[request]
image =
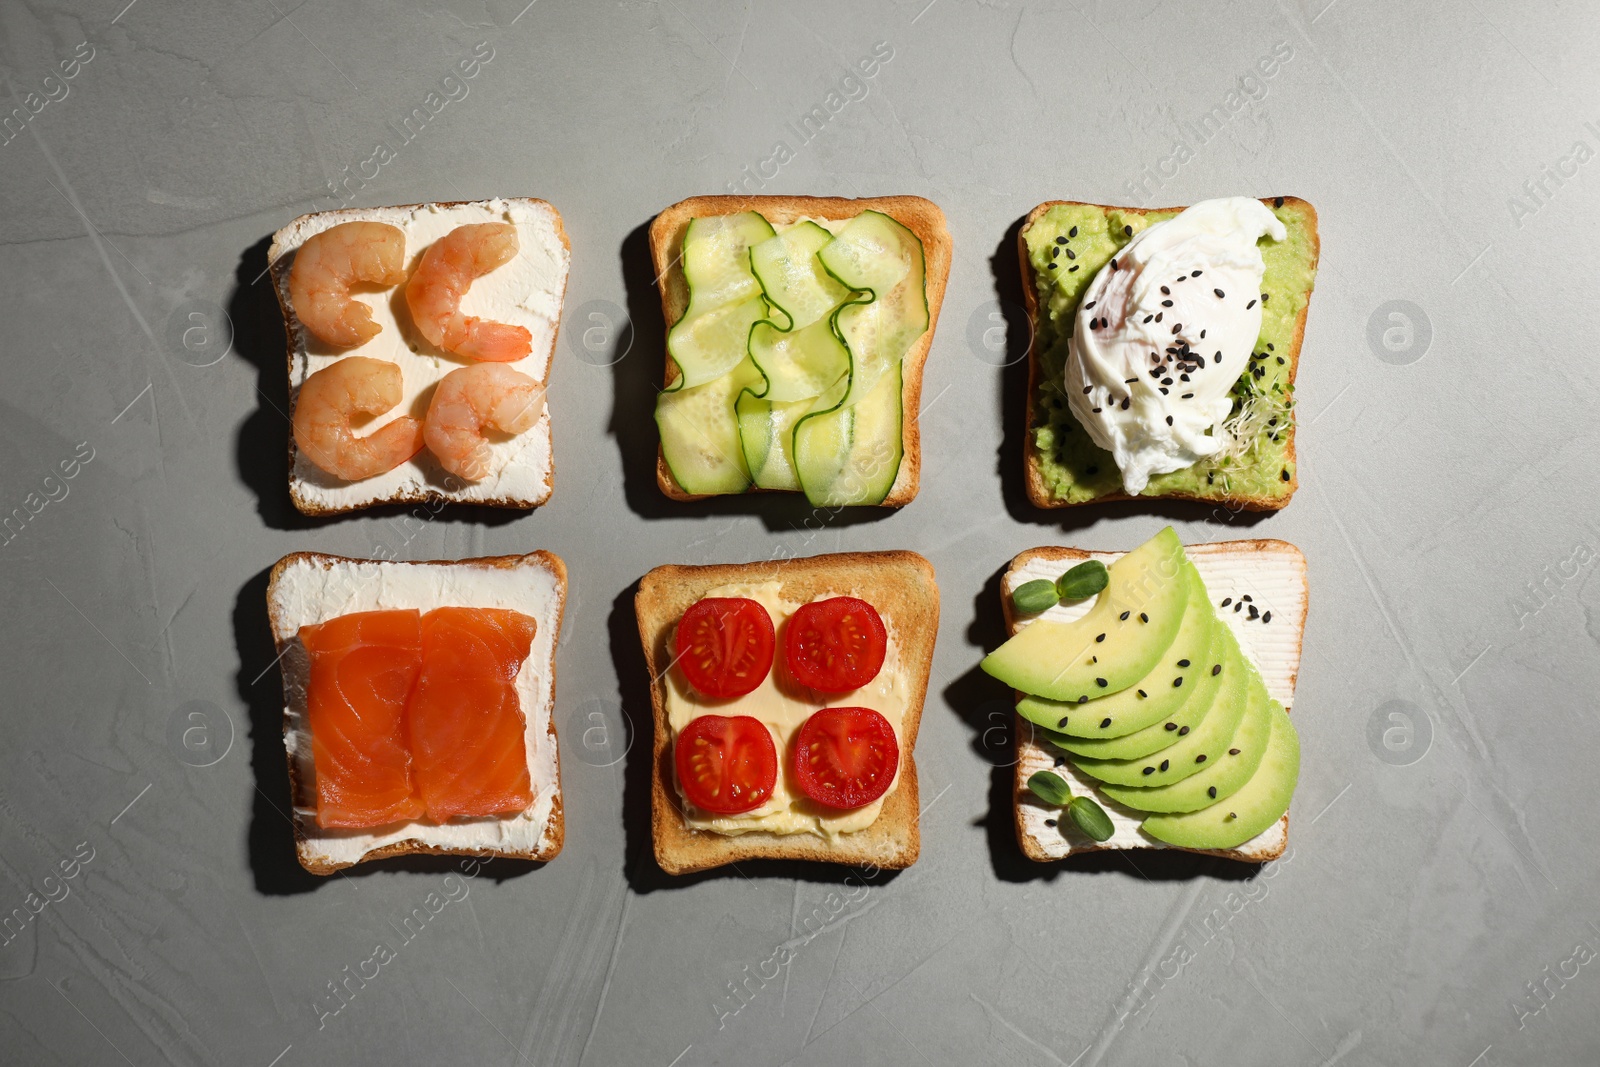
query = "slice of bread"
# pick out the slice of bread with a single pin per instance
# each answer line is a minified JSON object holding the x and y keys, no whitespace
{"x":901,"y":586}
{"x":309,"y":587}
{"x":1298,"y":213}
{"x":921,"y":217}
{"x":1273,"y":574}
{"x":526,"y":292}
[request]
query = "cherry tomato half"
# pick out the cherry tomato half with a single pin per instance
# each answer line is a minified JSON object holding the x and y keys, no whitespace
{"x":725,"y":646}
{"x":835,"y":645}
{"x":726,"y":765}
{"x":845,"y":757}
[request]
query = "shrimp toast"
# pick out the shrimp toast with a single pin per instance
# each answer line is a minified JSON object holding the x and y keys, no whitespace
{"x":307,"y":589}
{"x":525,"y":294}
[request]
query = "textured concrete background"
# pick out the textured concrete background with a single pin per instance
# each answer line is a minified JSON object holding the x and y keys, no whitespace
{"x":1436,"y":905}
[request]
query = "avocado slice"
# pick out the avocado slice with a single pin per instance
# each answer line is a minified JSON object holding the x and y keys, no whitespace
{"x":1153,"y":698}
{"x":1116,"y":644}
{"x":1223,"y":776}
{"x":1227,"y":659}
{"x":1191,"y":752}
{"x":1256,"y":806}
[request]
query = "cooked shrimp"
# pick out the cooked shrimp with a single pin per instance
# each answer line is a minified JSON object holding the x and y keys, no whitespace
{"x":472,"y":398}
{"x":329,"y":263}
{"x":353,"y":385}
{"x":447,"y":270}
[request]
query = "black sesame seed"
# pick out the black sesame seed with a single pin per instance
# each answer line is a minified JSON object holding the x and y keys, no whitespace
{"x":1269,"y":347}
{"x":1212,"y":792}
{"x":1062,"y":723}
{"x":1225,"y":602}
{"x":1216,"y":669}
{"x":1200,"y":758}
{"x":1061,"y":761}
{"x":1172,"y":726}
{"x":1169,"y":420}
{"x":1049,"y":822}
{"x":1233,"y":815}
{"x":1233,"y":752}
{"x":1165,"y":764}
{"x":1104,"y":723}
{"x":1088,"y":389}
{"x":1159,"y":314}
{"x":1183,"y":732}
{"x":1074,"y":231}
{"x":1166,"y":303}
{"x":1194,"y":274}
{"x":1163,"y":390}
{"x":1148,"y":770}
{"x":1072,"y":268}
{"x":1071,"y":254}
{"x":1219,"y":293}
{"x":1217,"y":358}
{"x":1083,"y":700}
{"x":1143,"y":617}
{"x":1176,"y":327}
{"x":1096,"y":410}
{"x":1177,"y":682}
{"x":1250,"y":305}
{"x":1238,"y":608}
{"x":1102,"y":637}
{"x":1129,"y":381}
{"x":1054,"y":252}
{"x":1165,"y":291}
{"x":1284,"y":474}
{"x":1141,"y":692}
{"x":1101,"y":682}
{"x":1166,"y":381}
{"x":1247,"y":598}
{"x":1183,"y":663}
{"x":1277,"y":201}
{"x":1061,"y":240}
{"x":1147,"y":318}
{"x":1052,"y":266}
{"x":1128,"y":230}
{"x":1125,"y":403}
{"x":1187,"y":396}
{"x":1124,"y":616}
{"x":1253,"y":612}
{"x":1280,"y":361}
{"x":1202,"y":335}
{"x":1266,"y":616}
{"x":1264,"y":297}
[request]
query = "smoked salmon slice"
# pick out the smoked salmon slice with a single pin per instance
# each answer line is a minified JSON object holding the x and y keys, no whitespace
{"x":467,"y":730}
{"x":363,"y":669}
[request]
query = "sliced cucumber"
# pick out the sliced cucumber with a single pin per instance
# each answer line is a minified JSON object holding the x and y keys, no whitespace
{"x":700,"y":433}
{"x":766,"y":430}
{"x":851,"y":455}
{"x":876,"y":254}
{"x":724,"y":297}
{"x":787,"y":268}
{"x":800,"y":365}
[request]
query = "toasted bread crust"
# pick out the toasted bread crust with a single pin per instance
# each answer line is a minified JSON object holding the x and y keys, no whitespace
{"x":555,"y":833}
{"x":922,"y":217}
{"x":901,"y":585}
{"x":1038,"y":492}
{"x":279,"y":270}
{"x":1029,"y":845}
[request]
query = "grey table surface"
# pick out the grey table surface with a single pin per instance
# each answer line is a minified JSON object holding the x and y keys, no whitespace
{"x":1435,"y":905}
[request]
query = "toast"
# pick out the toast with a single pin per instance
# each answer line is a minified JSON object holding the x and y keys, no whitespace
{"x":309,"y":587}
{"x":523,"y":470}
{"x":921,"y":217}
{"x":901,"y":586}
{"x":1274,"y":573}
{"x":1045,"y":408}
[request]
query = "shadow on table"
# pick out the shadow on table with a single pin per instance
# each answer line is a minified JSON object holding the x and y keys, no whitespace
{"x":637,"y":383}
{"x":1006,"y":268}
{"x":261,"y":448}
{"x":987,"y":706}
{"x":639,"y":864}
{"x":271,"y":835}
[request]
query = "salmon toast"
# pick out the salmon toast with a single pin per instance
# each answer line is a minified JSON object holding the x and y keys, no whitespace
{"x":469,"y":742}
{"x":466,"y":728}
{"x":363,"y":668}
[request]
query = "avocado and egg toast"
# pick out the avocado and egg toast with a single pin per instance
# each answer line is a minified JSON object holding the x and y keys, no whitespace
{"x":1165,"y":699}
{"x":1165,"y":348}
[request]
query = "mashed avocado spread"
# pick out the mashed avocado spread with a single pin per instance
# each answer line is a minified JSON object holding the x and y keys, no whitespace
{"x":1072,"y":466}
